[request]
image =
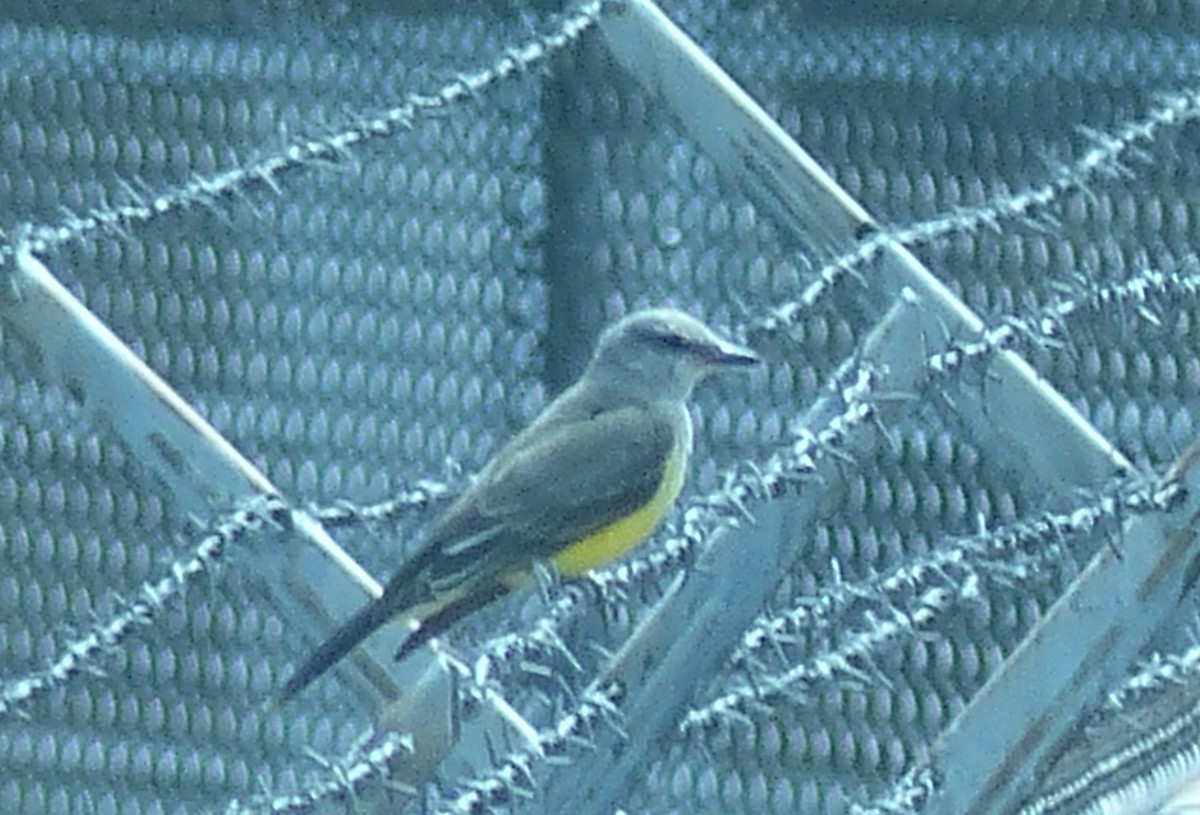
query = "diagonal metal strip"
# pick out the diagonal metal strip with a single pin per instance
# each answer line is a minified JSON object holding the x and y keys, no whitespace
{"x":202,"y":471}
{"x":1061,"y":453}
{"x":1074,"y":654}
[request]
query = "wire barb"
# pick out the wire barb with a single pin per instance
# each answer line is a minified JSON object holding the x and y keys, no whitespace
{"x":81,"y":654}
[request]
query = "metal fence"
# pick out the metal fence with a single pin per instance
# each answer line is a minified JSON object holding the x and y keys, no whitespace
{"x":279,"y":277}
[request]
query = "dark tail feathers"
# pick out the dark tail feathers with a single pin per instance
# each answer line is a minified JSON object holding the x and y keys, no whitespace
{"x":354,"y":631}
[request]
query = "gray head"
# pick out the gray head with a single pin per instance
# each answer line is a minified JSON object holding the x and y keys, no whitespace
{"x":663,"y":353}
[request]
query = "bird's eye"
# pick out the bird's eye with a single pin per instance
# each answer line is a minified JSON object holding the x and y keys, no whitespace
{"x":674,"y":341}
{"x":663,"y":337}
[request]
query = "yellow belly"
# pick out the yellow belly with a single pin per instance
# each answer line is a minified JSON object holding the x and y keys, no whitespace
{"x":620,"y":536}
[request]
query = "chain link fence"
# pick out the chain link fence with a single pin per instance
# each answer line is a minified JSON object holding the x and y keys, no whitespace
{"x":362,"y":244}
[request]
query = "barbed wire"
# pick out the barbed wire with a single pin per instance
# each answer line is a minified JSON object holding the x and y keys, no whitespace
{"x":907,"y":796}
{"x":424,"y":494}
{"x":84,"y":653}
{"x":1048,"y":328}
{"x":306,"y":153}
{"x":513,"y":777}
{"x":1103,"y":160}
{"x":1009,"y":556}
{"x":346,"y":781}
{"x":1157,"y":673}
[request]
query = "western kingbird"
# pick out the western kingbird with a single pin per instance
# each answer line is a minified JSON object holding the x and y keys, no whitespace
{"x":587,"y":481}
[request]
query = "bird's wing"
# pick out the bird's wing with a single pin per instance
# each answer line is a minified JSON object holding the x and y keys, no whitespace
{"x":554,"y":484}
{"x":559,"y":484}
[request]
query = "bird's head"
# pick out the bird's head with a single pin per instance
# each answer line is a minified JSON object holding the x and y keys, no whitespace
{"x":665,"y":352}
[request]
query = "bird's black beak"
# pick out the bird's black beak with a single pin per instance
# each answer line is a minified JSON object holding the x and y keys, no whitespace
{"x":731,"y":355}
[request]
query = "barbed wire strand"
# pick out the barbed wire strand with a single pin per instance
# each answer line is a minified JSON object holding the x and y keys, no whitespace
{"x":1010,"y":555}
{"x":346,"y":781}
{"x":208,"y":190}
{"x":513,"y":777}
{"x":83,"y":653}
{"x":1103,"y":160}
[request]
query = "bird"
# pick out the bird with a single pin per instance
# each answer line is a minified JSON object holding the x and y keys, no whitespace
{"x":589,"y":479}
